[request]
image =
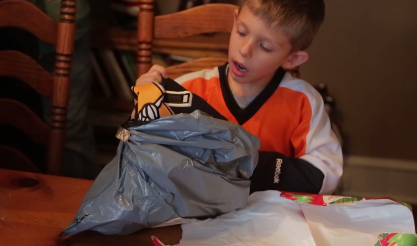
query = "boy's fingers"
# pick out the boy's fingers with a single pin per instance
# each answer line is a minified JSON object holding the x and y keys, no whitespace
{"x":152,"y":76}
{"x":144,"y":79}
{"x":160,"y":69}
{"x":149,"y":79}
{"x":132,"y":115}
{"x":155,"y":74}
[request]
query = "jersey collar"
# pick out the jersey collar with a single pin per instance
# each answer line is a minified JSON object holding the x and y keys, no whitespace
{"x":243,"y":115}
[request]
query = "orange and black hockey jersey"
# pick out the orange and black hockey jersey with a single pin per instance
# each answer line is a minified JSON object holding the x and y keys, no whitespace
{"x":299,"y":151}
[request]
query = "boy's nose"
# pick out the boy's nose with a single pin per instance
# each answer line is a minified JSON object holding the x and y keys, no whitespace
{"x":246,"y":49}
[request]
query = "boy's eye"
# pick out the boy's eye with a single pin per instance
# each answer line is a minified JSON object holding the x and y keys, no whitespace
{"x":241,"y":33}
{"x":264,"y":48}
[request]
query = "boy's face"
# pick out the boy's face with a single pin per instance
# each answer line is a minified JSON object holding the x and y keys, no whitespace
{"x":257,"y":50}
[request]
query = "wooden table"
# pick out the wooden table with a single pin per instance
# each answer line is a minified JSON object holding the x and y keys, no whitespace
{"x":35,"y":208}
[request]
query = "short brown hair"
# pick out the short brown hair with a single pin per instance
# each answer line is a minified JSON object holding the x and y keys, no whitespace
{"x":300,"y":19}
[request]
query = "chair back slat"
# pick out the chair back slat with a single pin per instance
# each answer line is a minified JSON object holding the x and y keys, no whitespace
{"x":18,"y":65}
{"x":195,"y":65}
{"x":25,"y":15}
{"x":15,"y":160}
{"x":20,"y":116}
{"x":210,"y":18}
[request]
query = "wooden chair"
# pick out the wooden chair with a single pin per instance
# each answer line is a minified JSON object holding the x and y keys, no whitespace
{"x":203,"y":19}
{"x":209,"y":18}
{"x":23,"y":14}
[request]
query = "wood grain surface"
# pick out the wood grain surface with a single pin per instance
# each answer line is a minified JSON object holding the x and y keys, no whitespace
{"x":35,"y":208}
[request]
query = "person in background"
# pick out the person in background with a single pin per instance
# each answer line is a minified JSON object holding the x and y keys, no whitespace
{"x":299,"y":152}
{"x":80,"y":159}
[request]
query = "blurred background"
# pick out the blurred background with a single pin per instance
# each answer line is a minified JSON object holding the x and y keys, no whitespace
{"x":363,"y":60}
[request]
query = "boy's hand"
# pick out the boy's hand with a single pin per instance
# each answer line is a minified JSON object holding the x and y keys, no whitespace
{"x":155,"y":74}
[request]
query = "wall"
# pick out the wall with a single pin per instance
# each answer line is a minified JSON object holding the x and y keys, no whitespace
{"x":379,"y":177}
{"x":366,"y":52}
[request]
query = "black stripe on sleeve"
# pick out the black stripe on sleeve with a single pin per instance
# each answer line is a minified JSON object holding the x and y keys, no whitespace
{"x":275,"y":171}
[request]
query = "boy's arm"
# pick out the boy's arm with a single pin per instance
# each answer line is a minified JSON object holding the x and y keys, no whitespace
{"x":318,"y":163}
{"x":275,"y":171}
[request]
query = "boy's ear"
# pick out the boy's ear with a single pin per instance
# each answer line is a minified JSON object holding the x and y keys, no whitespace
{"x":295,"y":59}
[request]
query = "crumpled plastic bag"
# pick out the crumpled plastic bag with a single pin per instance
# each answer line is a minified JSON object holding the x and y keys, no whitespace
{"x":180,"y":166}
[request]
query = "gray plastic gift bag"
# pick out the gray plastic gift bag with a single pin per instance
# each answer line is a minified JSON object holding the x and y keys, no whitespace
{"x":179,"y":166}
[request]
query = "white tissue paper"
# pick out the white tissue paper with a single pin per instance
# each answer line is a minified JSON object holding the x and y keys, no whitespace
{"x":280,"y":218}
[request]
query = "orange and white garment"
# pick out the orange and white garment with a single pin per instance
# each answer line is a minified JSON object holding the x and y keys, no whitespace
{"x":288,"y":116}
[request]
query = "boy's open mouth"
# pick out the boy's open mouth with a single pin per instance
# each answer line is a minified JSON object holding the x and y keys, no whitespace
{"x":240,"y":67}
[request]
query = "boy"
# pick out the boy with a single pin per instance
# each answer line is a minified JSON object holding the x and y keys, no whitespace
{"x":299,"y":152}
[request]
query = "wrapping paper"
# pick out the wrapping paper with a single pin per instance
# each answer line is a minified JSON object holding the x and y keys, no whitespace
{"x":281,"y":218}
